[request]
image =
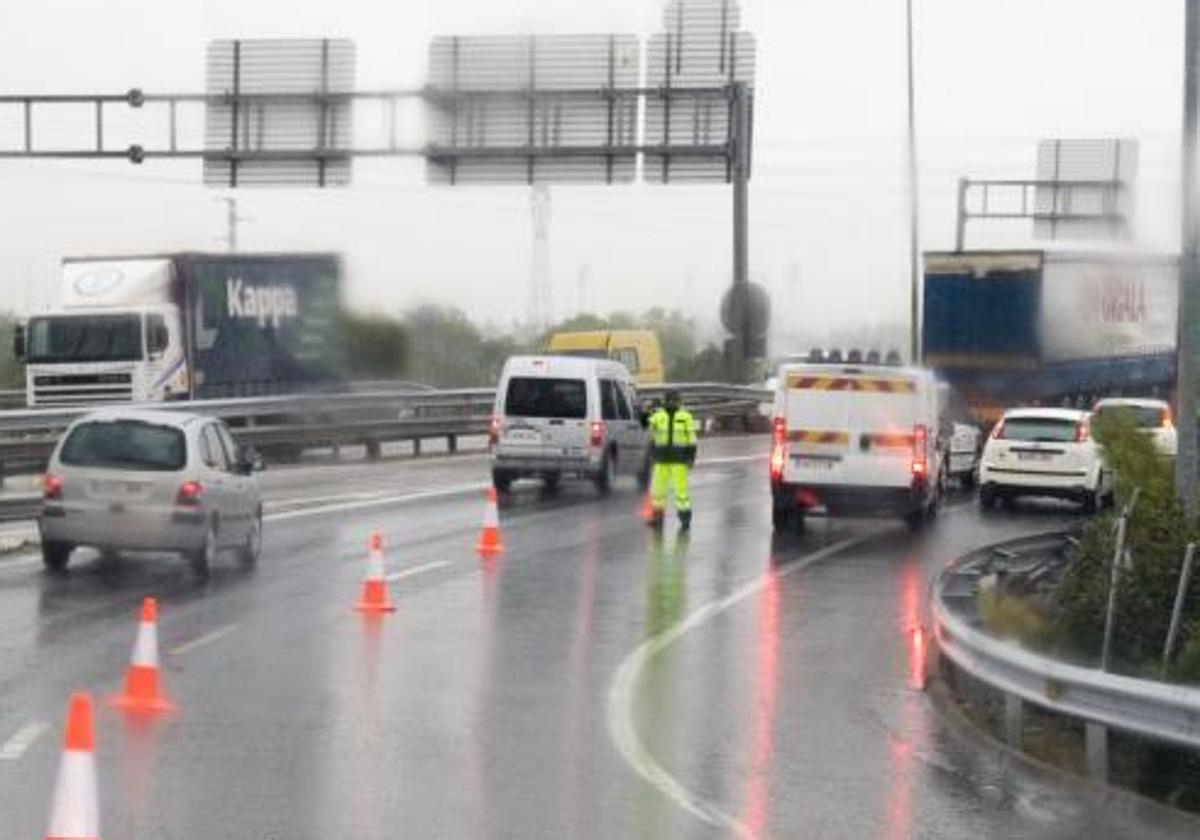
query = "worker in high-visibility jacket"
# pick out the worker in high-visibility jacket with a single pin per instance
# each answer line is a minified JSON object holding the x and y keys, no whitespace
{"x":673,"y":435}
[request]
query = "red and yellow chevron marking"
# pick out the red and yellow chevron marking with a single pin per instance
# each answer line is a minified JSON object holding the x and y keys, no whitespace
{"x":818,"y":437}
{"x":877,"y":385}
{"x":891,"y":441}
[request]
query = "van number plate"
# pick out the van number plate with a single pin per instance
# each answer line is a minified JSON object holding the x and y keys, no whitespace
{"x":810,"y":463}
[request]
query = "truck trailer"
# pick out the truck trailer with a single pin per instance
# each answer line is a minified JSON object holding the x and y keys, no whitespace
{"x":187,"y":326}
{"x":1050,"y":328}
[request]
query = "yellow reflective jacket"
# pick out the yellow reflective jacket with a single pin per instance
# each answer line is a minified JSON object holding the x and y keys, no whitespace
{"x":674,"y":436}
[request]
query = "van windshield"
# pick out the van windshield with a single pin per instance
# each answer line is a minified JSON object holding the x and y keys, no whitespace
{"x":529,"y":396}
{"x":125,"y":445}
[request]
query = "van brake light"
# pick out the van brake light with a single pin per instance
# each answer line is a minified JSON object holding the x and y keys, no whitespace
{"x":1167,"y":421}
{"x":494,"y":430}
{"x":920,"y":463}
{"x":1082,"y":432}
{"x":597,"y":438}
{"x":778,"y":447}
{"x":189,"y":494}
{"x":779,"y":430}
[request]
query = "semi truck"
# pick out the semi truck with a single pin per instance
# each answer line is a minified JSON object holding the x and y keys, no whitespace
{"x":186,"y":326}
{"x":1050,"y":328}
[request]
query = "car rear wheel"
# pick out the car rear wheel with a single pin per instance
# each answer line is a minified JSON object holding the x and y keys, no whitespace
{"x":502,"y":480}
{"x":252,"y":548}
{"x":987,"y":497}
{"x":967,"y":480}
{"x":55,"y":556}
{"x":608,"y":470}
{"x":201,"y":559}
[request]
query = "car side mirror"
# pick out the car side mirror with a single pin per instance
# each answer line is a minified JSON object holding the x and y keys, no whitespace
{"x":18,"y":345}
{"x":249,"y":460}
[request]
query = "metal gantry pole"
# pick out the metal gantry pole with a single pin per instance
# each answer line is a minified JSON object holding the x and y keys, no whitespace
{"x":1189,"y":269}
{"x":741,"y":220}
{"x":914,"y":233}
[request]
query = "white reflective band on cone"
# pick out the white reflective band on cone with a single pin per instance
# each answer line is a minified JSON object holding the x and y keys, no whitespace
{"x":145,"y":649}
{"x":374,"y":566}
{"x":76,"y":809}
{"x":491,"y":518}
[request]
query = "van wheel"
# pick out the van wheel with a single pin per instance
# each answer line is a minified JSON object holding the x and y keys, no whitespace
{"x":502,"y":481}
{"x":604,"y":478}
{"x":252,"y":548}
{"x":967,"y":480}
{"x":550,"y":481}
{"x":785,"y":518}
{"x":987,"y":497}
{"x":55,"y":556}
{"x":201,"y":559}
{"x":917,"y":519}
{"x":643,"y":476}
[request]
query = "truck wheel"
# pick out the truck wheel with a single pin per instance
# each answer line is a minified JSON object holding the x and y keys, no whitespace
{"x":550,"y":481}
{"x":502,"y":480}
{"x":55,"y":556}
{"x":608,"y":470}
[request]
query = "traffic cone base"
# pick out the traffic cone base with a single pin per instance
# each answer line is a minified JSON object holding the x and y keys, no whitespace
{"x":374,"y":597}
{"x":75,"y":812}
{"x":490,"y":544}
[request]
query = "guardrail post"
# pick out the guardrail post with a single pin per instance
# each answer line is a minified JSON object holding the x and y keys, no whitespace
{"x":416,"y":447}
{"x":452,"y":444}
{"x":1,"y":475}
{"x":374,"y":450}
{"x":1096,"y":745}
{"x":1014,"y":726}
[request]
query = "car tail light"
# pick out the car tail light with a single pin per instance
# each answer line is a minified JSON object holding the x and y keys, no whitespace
{"x":1082,"y":432}
{"x":1167,"y":421}
{"x":189,"y":493}
{"x":920,"y":464}
{"x":998,"y":431}
{"x":52,"y":486}
{"x":494,"y":431}
{"x":597,"y":438}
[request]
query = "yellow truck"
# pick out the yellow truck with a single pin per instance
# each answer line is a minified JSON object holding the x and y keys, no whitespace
{"x":638,"y":350}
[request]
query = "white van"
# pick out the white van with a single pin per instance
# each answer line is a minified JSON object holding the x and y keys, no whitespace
{"x":857,"y":440}
{"x":565,"y":415}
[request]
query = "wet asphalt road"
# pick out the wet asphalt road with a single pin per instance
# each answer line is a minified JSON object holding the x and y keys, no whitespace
{"x":595,"y":682}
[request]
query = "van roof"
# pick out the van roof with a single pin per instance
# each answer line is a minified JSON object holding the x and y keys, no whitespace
{"x":853,"y":369}
{"x":549,"y":364}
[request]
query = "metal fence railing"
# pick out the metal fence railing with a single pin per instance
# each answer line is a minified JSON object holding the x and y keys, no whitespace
{"x":1101,"y":700}
{"x":368,"y":418}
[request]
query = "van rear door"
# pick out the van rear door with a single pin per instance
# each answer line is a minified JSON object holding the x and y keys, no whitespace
{"x":545,"y":416}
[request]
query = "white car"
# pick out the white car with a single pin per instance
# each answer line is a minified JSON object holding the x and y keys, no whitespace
{"x":855,"y":439}
{"x":1151,"y":416}
{"x":1044,"y":452}
{"x":125,"y":479}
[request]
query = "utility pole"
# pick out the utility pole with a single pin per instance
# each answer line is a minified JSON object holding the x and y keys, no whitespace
{"x":741,"y":222}
{"x":914,"y":238}
{"x":541,"y":292}
{"x":1188,"y":340}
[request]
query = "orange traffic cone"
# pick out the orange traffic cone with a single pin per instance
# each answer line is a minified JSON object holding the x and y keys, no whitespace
{"x":374,"y":594}
{"x":142,"y":690}
{"x":489,"y":537}
{"x":75,"y":812}
{"x":647,"y":507}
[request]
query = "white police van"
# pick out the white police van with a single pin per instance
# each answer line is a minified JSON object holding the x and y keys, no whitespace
{"x":857,"y":439}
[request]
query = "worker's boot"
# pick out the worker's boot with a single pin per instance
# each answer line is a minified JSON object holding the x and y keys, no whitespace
{"x":685,"y":520}
{"x":655,"y":519}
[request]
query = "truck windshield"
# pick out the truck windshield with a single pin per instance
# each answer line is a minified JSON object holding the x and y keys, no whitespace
{"x":91,"y":338}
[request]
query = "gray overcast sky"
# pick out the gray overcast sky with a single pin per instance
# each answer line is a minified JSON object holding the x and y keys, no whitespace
{"x":828,"y":233}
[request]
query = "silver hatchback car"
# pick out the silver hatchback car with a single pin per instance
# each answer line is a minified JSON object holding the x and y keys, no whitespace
{"x":138,"y":480}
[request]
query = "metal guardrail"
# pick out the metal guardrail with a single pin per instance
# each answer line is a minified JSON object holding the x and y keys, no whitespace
{"x":12,"y":399}
{"x":1160,"y":711}
{"x":367,"y":418}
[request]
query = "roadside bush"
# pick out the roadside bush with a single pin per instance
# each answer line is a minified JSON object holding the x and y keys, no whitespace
{"x":1011,"y":617}
{"x":1157,"y":536}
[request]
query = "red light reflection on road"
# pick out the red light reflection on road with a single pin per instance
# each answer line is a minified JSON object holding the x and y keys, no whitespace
{"x":911,"y":588}
{"x":901,"y":746}
{"x":762,"y":722}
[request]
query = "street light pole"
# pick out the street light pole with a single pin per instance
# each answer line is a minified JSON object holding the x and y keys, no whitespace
{"x":1188,"y":338}
{"x":914,"y":243}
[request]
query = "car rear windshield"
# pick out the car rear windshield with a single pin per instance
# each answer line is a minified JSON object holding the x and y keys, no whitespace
{"x":1144,"y":416}
{"x":529,"y":396}
{"x":125,"y":445}
{"x":1039,"y":428}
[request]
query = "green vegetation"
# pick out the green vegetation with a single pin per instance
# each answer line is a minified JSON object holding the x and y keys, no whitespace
{"x":376,"y":346}
{"x":1009,"y":616}
{"x":1158,"y":534}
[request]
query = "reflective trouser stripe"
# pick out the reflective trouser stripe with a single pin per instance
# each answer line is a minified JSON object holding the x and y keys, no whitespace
{"x":671,"y":476}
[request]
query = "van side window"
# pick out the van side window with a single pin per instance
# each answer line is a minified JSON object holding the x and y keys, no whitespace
{"x":623,"y":409}
{"x":608,"y":400}
{"x":211,"y":450}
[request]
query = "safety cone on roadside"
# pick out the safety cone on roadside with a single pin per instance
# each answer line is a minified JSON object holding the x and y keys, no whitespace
{"x":647,"y":507}
{"x":374,"y":597}
{"x":143,"y":692}
{"x":75,"y":810}
{"x":489,"y":544}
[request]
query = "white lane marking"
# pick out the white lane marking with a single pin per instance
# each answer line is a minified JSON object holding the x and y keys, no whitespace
{"x":731,"y":459}
{"x":316,"y":500}
{"x":417,"y":570}
{"x":621,"y":727}
{"x":22,"y":740}
{"x":460,"y":490}
{"x":201,"y":641}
